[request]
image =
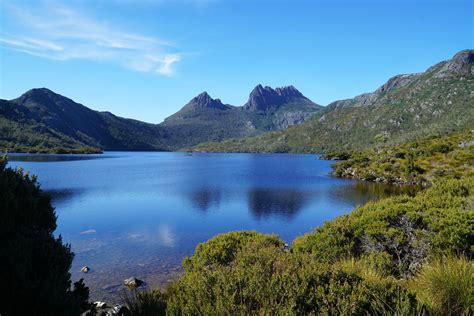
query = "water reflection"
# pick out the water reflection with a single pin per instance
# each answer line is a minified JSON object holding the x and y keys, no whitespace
{"x":359,"y":192}
{"x":204,"y":198}
{"x":54,"y":157}
{"x":62,"y":195}
{"x":264,"y":203}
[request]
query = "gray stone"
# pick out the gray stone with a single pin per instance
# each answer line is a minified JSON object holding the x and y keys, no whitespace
{"x":132,"y":282}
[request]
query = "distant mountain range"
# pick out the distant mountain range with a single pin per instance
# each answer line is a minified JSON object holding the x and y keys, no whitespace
{"x":407,"y":107}
{"x":41,"y":119}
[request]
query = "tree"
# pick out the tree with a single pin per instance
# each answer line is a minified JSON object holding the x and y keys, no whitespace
{"x":34,"y":264}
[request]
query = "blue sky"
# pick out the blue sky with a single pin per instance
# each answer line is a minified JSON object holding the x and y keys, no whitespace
{"x":145,"y":59}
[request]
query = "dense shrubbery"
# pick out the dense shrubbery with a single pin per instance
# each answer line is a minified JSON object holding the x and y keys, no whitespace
{"x":418,"y":162}
{"x":397,"y":235}
{"x":264,"y":277}
{"x":34,"y":265}
{"x":401,"y":255}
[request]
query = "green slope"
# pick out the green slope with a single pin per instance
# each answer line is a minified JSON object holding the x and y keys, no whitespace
{"x":407,"y":107}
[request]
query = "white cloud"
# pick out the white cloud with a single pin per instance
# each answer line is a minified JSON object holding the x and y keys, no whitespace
{"x":167,"y":64}
{"x":58,"y":32}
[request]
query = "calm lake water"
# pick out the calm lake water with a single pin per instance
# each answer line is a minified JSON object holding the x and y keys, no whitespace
{"x":139,"y":213}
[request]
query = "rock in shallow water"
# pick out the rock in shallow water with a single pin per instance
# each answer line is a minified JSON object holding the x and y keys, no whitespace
{"x":132,"y":282}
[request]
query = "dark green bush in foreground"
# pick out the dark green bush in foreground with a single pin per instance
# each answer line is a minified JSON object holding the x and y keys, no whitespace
{"x":34,"y":265}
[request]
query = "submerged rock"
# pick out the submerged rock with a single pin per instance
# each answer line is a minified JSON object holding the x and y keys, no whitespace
{"x":132,"y":282}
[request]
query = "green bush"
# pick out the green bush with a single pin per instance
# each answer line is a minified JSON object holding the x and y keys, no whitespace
{"x":406,"y":230}
{"x":146,"y":303}
{"x":222,"y":249}
{"x":446,"y":286}
{"x":264,"y":278}
{"x":34,"y":265}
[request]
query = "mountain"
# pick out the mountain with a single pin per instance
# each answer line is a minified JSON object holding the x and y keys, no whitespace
{"x":265,"y":98}
{"x":43,"y":119}
{"x":204,"y":101}
{"x":406,"y":107}
{"x":206,"y":119}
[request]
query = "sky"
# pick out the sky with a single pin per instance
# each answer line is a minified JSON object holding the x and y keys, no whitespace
{"x":145,"y":59}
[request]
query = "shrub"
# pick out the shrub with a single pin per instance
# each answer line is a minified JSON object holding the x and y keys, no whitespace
{"x":446,"y":286}
{"x":222,"y":249}
{"x":264,"y":278}
{"x":146,"y":303}
{"x":406,"y":230}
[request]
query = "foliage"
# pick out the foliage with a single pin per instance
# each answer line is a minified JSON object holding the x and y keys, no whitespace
{"x":151,"y":303}
{"x":446,"y":286}
{"x":34,"y":265}
{"x":418,"y":162}
{"x":222,"y":249}
{"x":399,"y":234}
{"x":262,"y":277}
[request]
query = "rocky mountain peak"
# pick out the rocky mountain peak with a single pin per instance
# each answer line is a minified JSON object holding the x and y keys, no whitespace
{"x":204,"y":100}
{"x":290,"y":92}
{"x":465,"y":56}
{"x":262,"y":98}
{"x":460,"y":64}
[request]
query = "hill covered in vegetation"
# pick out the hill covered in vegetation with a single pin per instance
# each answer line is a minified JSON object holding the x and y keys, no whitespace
{"x":43,"y":121}
{"x":406,"y":107}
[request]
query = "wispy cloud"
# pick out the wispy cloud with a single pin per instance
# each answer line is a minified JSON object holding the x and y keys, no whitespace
{"x":57,"y":32}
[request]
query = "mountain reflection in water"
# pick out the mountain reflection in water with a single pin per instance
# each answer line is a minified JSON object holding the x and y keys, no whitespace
{"x":141,"y":213}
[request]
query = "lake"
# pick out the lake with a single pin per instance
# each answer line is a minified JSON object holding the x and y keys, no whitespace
{"x":139,"y":213}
